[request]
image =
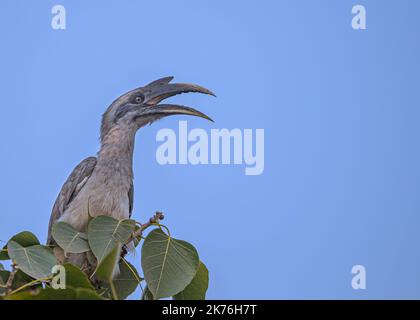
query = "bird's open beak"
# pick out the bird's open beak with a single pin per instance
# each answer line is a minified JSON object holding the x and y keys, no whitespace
{"x":161,"y":89}
{"x":173,"y":109}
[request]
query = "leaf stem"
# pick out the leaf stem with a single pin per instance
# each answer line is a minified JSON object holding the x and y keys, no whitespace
{"x":113,"y":290}
{"x":29,"y":284}
{"x":165,"y":227}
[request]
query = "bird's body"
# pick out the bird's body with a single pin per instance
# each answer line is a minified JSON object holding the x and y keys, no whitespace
{"x":104,"y":185}
{"x":106,"y":190}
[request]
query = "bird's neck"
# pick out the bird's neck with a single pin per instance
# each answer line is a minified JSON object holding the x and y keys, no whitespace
{"x":116,"y":152}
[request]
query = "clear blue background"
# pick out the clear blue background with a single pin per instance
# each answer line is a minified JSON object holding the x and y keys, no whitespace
{"x":340,"y":109}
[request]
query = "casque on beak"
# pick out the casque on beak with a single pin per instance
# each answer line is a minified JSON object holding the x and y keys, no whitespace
{"x":161,"y":89}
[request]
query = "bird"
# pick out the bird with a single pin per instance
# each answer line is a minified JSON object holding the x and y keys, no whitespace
{"x":103,"y":185}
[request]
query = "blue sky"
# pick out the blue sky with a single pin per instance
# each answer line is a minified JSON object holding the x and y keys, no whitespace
{"x":339,"y":107}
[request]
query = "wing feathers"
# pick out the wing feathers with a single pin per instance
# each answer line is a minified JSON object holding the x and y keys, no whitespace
{"x":70,"y":189}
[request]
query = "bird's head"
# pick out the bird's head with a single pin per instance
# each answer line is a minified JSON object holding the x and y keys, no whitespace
{"x":141,"y":106}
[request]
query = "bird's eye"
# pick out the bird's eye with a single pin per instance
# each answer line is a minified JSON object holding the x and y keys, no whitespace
{"x":139,"y":99}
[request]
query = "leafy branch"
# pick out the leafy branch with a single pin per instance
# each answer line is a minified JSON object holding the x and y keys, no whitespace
{"x":171,"y":267}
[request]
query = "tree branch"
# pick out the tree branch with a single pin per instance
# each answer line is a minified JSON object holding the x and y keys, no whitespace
{"x":152,"y":221}
{"x":9,"y":282}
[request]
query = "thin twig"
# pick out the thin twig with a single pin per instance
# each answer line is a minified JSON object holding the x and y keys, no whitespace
{"x":30,"y":284}
{"x":152,"y":221}
{"x":9,"y":282}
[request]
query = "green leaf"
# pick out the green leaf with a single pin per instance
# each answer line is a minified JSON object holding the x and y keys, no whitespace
{"x":197,"y":289}
{"x":107,"y":267}
{"x":21,"y":279}
{"x":36,"y":261}
{"x":169,"y":265}
{"x":147,"y":295}
{"x":86,"y":294}
{"x":126,"y":282}
{"x":25,"y":239}
{"x":69,"y":239}
{"x":1,"y":267}
{"x":76,"y":278}
{"x":104,"y":232}
{"x":59,"y":294}
{"x":3,"y":254}
{"x":4,"y":276}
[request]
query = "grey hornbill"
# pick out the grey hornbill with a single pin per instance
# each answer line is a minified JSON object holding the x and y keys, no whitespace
{"x":104,"y":185}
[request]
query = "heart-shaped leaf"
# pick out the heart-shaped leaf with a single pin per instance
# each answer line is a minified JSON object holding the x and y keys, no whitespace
{"x":108,"y":266}
{"x":69,"y":239}
{"x":169,"y":265}
{"x":36,"y":261}
{"x":25,"y":239}
{"x":126,"y":282}
{"x":197,"y":289}
{"x":76,"y":278}
{"x":104,"y":232}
